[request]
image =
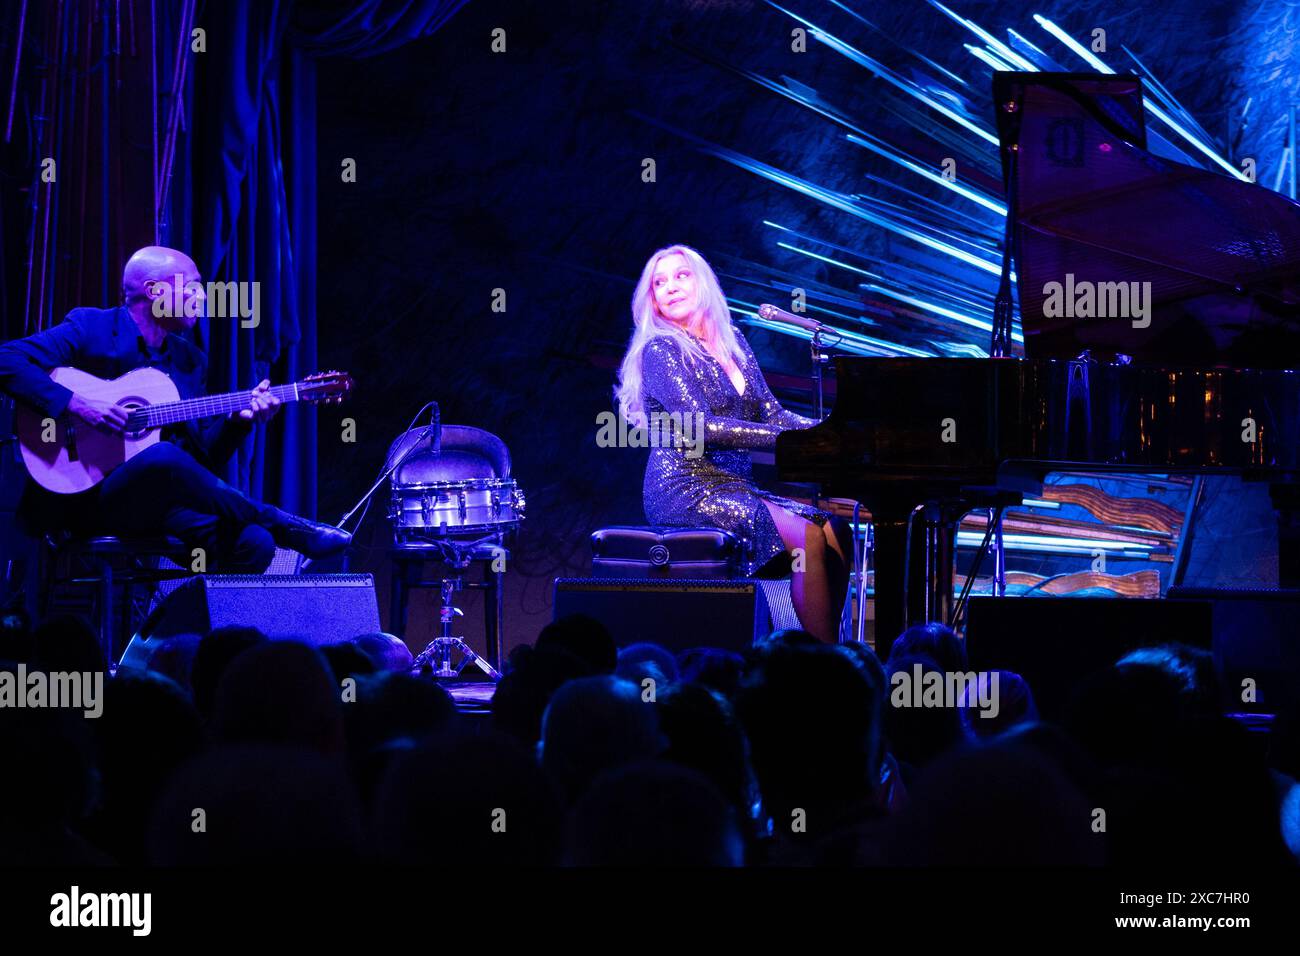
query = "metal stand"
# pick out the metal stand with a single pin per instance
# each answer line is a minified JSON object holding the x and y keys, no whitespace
{"x":440,"y":650}
{"x":992,"y":543}
{"x":819,"y":361}
{"x":999,"y":554}
{"x":861,"y":559}
{"x":434,"y":427}
{"x":1003,"y":304}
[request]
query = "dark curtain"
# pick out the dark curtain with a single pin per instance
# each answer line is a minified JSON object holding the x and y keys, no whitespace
{"x":253,"y":179}
{"x":79,"y":90}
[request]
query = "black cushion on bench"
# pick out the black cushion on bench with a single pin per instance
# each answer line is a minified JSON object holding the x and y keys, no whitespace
{"x":640,"y":551}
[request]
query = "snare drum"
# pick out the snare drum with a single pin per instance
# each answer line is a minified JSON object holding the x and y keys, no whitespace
{"x":470,"y":506}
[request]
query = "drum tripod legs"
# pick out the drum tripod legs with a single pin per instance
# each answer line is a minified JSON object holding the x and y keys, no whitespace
{"x":441,"y":650}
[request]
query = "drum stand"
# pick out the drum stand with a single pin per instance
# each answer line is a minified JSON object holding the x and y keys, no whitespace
{"x":440,"y":650}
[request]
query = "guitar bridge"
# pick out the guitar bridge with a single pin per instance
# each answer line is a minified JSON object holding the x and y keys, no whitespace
{"x":70,"y":441}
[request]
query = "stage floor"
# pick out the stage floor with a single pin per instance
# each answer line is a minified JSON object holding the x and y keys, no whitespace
{"x":472,"y":697}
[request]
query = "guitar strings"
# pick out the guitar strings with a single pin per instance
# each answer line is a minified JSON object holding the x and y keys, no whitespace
{"x":169,"y":413}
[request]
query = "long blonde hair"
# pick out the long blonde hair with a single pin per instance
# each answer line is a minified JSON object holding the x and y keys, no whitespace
{"x":648,"y":325}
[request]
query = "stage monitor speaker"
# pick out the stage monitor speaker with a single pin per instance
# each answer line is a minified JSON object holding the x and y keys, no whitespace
{"x":1255,"y":640}
{"x":1056,"y":643}
{"x":315,"y":609}
{"x":675,"y":614}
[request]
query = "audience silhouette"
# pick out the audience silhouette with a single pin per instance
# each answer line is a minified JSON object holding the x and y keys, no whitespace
{"x":232,"y":748}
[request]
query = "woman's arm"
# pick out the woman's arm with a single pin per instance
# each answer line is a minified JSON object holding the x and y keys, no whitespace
{"x":772,"y":411}
{"x":670,"y":383}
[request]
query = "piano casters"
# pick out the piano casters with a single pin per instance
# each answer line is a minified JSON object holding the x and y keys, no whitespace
{"x":441,"y":652}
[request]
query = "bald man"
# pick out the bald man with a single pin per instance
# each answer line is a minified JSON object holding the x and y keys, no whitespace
{"x":170,"y":487}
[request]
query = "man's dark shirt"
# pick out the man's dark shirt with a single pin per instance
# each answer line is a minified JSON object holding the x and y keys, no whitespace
{"x":107,"y":343}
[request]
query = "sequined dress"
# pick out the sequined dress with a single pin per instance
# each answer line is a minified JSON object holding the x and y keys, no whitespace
{"x":716,"y":489}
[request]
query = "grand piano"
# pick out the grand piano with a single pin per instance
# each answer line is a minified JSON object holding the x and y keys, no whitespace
{"x":1160,"y":308}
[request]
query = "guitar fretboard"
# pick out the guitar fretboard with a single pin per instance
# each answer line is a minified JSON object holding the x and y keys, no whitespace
{"x":169,"y":413}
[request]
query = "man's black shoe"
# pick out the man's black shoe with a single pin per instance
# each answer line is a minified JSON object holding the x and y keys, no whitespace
{"x":309,"y":538}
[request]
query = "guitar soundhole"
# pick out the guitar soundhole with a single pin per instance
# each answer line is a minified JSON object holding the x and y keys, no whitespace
{"x":133,"y":405}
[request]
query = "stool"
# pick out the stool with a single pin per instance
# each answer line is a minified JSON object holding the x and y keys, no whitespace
{"x":459,"y":453}
{"x":407,"y":563}
{"x":111,"y":564}
{"x":683,"y":554}
{"x":640,"y":551}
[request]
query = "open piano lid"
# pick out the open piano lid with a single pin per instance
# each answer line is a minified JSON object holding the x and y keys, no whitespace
{"x":1222,"y":256}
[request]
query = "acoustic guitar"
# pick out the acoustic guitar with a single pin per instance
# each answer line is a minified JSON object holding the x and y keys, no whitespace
{"x":65,"y":455}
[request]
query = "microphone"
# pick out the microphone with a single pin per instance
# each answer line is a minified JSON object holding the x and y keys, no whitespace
{"x":390,"y":466}
{"x":434,"y":428}
{"x":772,"y":314}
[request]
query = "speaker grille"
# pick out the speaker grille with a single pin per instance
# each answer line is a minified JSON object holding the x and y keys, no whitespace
{"x":316,"y":608}
{"x":214,"y":581}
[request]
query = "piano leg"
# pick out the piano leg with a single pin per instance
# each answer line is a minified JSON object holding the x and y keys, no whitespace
{"x":920,"y":589}
{"x":940,"y":544}
{"x":889,"y":527}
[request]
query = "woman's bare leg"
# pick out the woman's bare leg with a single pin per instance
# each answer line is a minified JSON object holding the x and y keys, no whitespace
{"x":839,"y":563}
{"x":818,"y":583}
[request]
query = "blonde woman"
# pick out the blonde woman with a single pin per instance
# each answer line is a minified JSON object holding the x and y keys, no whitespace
{"x":686,"y":361}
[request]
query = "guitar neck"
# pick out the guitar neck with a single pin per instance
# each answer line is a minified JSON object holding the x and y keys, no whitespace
{"x":169,"y":413}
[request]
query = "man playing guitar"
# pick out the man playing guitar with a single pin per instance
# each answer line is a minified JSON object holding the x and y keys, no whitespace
{"x":169,"y":487}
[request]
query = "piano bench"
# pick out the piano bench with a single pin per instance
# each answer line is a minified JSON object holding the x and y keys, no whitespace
{"x":641,"y":551}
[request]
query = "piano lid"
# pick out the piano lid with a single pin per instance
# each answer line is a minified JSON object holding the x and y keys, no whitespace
{"x":1120,"y":251}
